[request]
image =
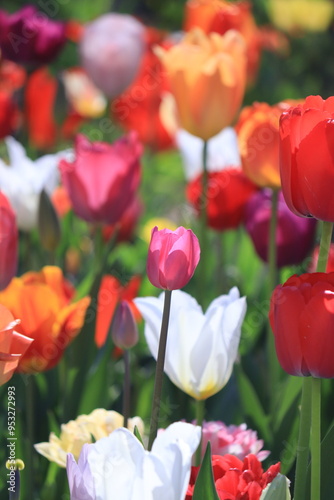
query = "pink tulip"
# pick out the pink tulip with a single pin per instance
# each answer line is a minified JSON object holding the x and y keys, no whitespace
{"x":8,"y":242}
{"x":12,"y":345}
{"x":172,"y":257}
{"x":111,"y":50}
{"x":103,"y":178}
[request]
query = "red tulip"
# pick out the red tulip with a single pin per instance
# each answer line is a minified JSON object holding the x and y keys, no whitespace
{"x":111,"y":292}
{"x":172,"y":257}
{"x":307,"y":158}
{"x":302,"y":319}
{"x":12,"y":345}
{"x":30,"y":37}
{"x":236,"y":479}
{"x":228,"y":192}
{"x":103,"y":178}
{"x":8,"y":242}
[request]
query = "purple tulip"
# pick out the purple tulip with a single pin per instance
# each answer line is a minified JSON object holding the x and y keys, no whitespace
{"x":294,"y":236}
{"x":30,"y":37}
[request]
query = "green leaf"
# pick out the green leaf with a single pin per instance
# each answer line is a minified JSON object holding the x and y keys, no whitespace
{"x":252,"y":406}
{"x":278,"y":489}
{"x":137,"y":434}
{"x":205,"y":487}
{"x":286,"y":398}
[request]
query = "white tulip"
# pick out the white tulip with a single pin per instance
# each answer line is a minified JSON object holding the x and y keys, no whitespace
{"x":119,"y":467}
{"x":201,"y":348}
{"x":23,"y":180}
{"x":223,"y":152}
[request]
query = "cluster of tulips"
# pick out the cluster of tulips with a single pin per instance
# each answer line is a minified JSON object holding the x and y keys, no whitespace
{"x":84,"y":334}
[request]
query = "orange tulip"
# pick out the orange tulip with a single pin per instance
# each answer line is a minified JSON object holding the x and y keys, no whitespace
{"x":258,"y":136}
{"x":12,"y":345}
{"x":42,"y":300}
{"x":207,"y":77}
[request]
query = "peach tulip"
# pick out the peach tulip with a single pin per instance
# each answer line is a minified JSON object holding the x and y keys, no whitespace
{"x":207,"y":76}
{"x":12,"y":345}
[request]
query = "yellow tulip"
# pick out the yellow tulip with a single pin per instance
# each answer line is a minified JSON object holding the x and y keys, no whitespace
{"x":301,"y":15}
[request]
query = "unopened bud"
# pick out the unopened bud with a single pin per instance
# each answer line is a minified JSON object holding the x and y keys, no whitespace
{"x":124,"y":330}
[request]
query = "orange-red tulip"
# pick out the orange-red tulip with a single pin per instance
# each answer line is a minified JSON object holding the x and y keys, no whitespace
{"x":12,"y":345}
{"x":42,"y":301}
{"x":207,"y":76}
{"x":258,"y":136}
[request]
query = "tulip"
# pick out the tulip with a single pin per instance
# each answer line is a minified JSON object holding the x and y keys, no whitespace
{"x":207,"y":77}
{"x":258,"y":135}
{"x":228,"y":192}
{"x":84,"y":429}
{"x":9,"y":114}
{"x":223,"y":152}
{"x":294,"y":236}
{"x":111,"y":292}
{"x":124,"y":230}
{"x":124,"y":329}
{"x":307,"y":176}
{"x":219,"y":16}
{"x":294,"y":16}
{"x":8,"y":242}
{"x":13,"y":345}
{"x":302,"y":319}
{"x":237,"y":479}
{"x":118,"y":466}
{"x":233,"y":440}
{"x":30,"y":37}
{"x":201,"y":348}
{"x":103,"y":178}
{"x":111,"y":49}
{"x":172,"y":257}
{"x":53,"y":321}
{"x":23,"y":181}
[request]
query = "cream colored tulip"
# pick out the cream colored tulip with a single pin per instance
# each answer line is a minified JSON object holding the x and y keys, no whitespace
{"x":207,"y":76}
{"x":98,"y":424}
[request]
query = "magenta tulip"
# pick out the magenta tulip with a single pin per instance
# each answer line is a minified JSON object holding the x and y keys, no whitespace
{"x":103,"y":178}
{"x":8,"y":242}
{"x":30,"y":37}
{"x":111,"y":50}
{"x":172,"y":257}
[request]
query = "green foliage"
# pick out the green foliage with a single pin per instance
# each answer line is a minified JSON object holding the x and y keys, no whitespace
{"x":205,"y":486}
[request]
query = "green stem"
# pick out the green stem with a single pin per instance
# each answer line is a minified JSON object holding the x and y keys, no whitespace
{"x":200,"y":411}
{"x":202,"y":271}
{"x":303,"y":441}
{"x":159,"y":370}
{"x":29,"y":462}
{"x":315,"y":439}
{"x":126,"y":387}
{"x":325,"y":243}
{"x":274,"y":367}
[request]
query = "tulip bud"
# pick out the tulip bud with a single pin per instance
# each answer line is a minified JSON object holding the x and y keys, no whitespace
{"x":124,"y":330}
{"x":172,"y":257}
{"x":8,"y":242}
{"x":48,"y":223}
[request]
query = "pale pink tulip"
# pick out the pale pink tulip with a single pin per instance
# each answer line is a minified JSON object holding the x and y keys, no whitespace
{"x":172,"y":257}
{"x":12,"y":345}
{"x":111,"y":50}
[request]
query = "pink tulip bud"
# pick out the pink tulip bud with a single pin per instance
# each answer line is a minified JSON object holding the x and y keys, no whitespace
{"x":8,"y":242}
{"x":124,"y":328}
{"x":172,"y":257}
{"x":111,"y":50}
